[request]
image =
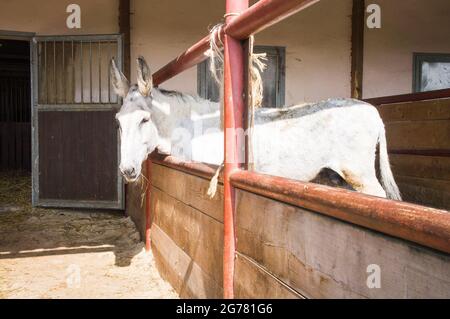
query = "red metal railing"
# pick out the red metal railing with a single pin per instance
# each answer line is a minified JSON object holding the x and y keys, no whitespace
{"x":189,"y":58}
{"x":262,"y":15}
{"x":241,"y":22}
{"x":258,"y":17}
{"x":233,"y":120}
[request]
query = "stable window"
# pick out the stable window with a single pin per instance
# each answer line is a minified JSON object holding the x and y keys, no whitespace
{"x":431,"y":72}
{"x":273,"y":78}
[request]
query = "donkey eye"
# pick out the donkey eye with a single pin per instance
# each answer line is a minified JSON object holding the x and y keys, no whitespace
{"x":144,"y":120}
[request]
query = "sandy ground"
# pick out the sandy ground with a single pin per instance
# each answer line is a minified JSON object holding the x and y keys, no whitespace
{"x":74,"y":254}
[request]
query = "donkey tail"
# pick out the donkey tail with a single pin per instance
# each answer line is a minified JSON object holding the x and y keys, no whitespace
{"x":387,"y":178}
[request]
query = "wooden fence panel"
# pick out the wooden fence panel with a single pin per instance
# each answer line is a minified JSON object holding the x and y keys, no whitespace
{"x":253,"y":281}
{"x":189,"y":189}
{"x":180,"y":270}
{"x":322,"y":257}
{"x":418,"y":136}
{"x":283,"y":251}
{"x":430,"y":135}
{"x":416,"y":111}
{"x":187,"y":233}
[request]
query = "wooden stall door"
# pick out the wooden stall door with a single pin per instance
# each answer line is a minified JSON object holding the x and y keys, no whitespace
{"x":75,"y":141}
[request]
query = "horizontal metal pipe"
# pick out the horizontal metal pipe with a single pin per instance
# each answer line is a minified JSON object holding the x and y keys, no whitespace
{"x":189,"y":58}
{"x":258,"y":17}
{"x":262,"y":15}
{"x":426,"y":226}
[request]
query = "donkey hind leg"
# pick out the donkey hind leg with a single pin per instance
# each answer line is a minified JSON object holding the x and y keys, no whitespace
{"x":366,"y":182}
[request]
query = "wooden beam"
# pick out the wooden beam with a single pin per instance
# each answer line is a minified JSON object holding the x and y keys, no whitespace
{"x":358,"y":25}
{"x":411,"y":97}
{"x":124,"y":29}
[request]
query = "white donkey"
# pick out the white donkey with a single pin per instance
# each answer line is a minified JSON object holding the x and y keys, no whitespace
{"x":295,"y":142}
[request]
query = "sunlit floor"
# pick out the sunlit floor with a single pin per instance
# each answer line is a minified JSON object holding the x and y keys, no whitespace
{"x":72,"y":254}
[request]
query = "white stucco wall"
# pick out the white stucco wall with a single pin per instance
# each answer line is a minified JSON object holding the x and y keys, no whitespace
{"x":317,"y":49}
{"x":407,"y":26}
{"x":317,"y":40}
{"x":318,"y":44}
{"x":48,"y":17}
{"x":160,"y":32}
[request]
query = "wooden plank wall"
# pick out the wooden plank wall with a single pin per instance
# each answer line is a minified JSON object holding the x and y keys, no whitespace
{"x":418,"y":135}
{"x":187,"y":232}
{"x":288,"y":252}
{"x":283,"y":251}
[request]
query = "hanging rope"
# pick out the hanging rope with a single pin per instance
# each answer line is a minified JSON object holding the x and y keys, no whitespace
{"x":215,"y":54}
{"x":256,"y":67}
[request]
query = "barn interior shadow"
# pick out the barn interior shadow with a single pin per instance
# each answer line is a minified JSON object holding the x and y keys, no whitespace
{"x":34,"y":232}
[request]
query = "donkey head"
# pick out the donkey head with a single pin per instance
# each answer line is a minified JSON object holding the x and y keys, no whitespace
{"x":138,"y":133}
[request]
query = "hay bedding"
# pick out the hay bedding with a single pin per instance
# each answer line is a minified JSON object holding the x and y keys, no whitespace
{"x":43,"y":252}
{"x":15,"y":191}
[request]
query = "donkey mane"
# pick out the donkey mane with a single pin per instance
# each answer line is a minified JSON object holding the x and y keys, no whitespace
{"x":266,"y":114}
{"x":180,"y":95}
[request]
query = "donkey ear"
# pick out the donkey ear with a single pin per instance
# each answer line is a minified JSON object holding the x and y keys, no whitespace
{"x":119,"y":81}
{"x":144,"y":77}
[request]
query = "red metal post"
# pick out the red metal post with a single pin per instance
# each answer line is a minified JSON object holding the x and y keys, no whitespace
{"x":234,"y":119}
{"x":148,"y":208}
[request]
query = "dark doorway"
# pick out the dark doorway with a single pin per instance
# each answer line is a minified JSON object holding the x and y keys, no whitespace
{"x":15,"y":105}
